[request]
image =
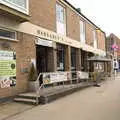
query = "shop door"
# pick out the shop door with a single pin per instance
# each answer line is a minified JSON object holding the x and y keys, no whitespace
{"x":41,"y":57}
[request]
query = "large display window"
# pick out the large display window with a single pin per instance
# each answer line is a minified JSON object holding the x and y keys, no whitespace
{"x":60,"y":57}
{"x":73,"y":59}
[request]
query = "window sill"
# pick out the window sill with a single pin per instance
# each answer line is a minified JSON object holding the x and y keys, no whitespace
{"x":9,"y":39}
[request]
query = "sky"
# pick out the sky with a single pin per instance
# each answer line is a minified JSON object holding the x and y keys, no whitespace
{"x":104,"y":13}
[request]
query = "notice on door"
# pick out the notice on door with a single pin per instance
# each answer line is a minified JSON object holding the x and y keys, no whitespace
{"x":7,"y":69}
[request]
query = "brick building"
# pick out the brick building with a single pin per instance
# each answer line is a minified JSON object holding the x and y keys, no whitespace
{"x":54,"y":35}
{"x":111,"y":40}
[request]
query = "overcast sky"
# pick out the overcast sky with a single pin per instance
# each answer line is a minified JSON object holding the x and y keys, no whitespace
{"x":104,"y":13}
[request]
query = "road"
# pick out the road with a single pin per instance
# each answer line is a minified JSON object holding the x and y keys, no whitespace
{"x":94,"y":103}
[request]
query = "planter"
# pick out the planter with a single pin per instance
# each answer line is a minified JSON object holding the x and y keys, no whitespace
{"x":33,"y":86}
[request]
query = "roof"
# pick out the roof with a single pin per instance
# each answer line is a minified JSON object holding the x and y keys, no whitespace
{"x":114,"y":36}
{"x":99,"y":59}
{"x":83,"y":15}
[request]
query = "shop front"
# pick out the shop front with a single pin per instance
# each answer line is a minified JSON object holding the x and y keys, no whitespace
{"x":44,"y":55}
{"x":56,"y":56}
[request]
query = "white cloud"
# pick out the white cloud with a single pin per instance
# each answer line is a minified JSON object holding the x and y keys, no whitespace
{"x":104,"y":13}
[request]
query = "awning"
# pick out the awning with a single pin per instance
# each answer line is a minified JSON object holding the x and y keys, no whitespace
{"x":91,"y":49}
{"x":99,"y":59}
{"x":87,"y":48}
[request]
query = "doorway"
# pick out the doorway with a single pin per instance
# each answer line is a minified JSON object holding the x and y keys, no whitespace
{"x":41,"y":58}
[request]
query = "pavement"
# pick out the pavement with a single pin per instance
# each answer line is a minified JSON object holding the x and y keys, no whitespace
{"x":93,"y":103}
{"x":10,"y":109}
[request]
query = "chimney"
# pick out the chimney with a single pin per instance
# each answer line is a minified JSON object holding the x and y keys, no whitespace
{"x":79,"y":10}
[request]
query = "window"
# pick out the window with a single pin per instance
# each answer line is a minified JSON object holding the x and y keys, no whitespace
{"x":60,"y":19}
{"x":7,"y":34}
{"x":60,"y":57}
{"x":94,"y":39}
{"x":82,"y":31}
{"x":73,"y":59}
{"x":20,"y":5}
{"x":84,"y":61}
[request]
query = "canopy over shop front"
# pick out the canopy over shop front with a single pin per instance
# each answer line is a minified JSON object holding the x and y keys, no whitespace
{"x":99,"y":59}
{"x":91,"y":49}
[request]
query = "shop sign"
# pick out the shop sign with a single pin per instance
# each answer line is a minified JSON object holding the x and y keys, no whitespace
{"x":7,"y":69}
{"x":57,"y":38}
{"x":49,"y":35}
{"x":43,"y":42}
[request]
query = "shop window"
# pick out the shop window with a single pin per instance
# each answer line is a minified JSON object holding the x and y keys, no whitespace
{"x":60,"y":19}
{"x":83,"y":61}
{"x":7,"y":34}
{"x":60,"y":57}
{"x":73,"y":59}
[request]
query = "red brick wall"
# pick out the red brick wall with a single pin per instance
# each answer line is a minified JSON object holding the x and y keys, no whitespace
{"x":73,"y":27}
{"x":25,"y":50}
{"x":101,"y":40}
{"x":43,"y":13}
{"x":89,"y":34}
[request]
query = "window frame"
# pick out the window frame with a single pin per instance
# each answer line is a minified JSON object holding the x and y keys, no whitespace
{"x":8,"y":30}
{"x":17,"y":7}
{"x":59,"y":22}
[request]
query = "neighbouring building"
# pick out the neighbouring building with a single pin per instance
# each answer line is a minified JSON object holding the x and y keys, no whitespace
{"x":113,"y":47}
{"x":53,"y":35}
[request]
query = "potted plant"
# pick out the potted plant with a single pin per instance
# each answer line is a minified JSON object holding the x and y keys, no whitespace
{"x":32,"y":78}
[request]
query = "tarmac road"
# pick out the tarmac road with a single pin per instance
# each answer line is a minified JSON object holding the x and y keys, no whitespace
{"x":94,"y":103}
